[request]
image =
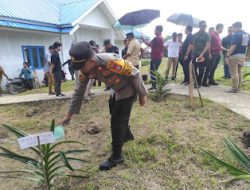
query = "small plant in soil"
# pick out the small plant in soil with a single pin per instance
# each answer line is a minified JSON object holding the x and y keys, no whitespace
{"x":46,"y":163}
{"x":241,"y":172}
{"x":161,"y":91}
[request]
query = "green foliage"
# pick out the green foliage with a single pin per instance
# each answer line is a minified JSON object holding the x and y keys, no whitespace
{"x":160,"y":92}
{"x":238,"y":173}
{"x":47,"y":161}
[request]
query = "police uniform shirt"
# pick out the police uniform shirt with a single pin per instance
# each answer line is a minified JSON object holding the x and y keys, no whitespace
{"x":120,"y":75}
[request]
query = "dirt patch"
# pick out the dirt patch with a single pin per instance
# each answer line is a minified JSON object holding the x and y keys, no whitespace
{"x":92,"y":128}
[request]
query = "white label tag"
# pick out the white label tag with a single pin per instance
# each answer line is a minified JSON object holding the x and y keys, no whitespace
{"x":32,"y":141}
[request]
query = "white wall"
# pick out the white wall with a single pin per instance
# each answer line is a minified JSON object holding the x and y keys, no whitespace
{"x":11,"y":57}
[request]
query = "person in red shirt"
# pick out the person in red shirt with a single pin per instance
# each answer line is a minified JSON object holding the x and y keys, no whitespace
{"x":157,"y":52}
{"x":215,"y":51}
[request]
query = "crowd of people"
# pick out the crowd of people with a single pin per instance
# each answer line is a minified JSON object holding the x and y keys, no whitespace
{"x":205,"y":50}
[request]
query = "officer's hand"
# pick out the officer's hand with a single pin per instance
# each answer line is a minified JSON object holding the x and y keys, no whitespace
{"x":142,"y":100}
{"x":66,"y":119}
{"x":186,"y":57}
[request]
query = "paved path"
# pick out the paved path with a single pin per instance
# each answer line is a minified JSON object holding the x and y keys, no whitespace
{"x":239,"y":103}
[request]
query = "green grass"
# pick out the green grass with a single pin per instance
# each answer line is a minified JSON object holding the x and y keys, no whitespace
{"x":164,"y":155}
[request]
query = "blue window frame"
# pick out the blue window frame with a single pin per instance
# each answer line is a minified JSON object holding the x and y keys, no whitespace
{"x":34,"y":55}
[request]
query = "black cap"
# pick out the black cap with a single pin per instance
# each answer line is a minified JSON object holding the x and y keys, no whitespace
{"x":80,"y":52}
{"x":130,"y":35}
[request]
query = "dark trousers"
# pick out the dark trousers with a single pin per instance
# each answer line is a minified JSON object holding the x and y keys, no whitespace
{"x":120,"y":112}
{"x":58,"y":81}
{"x":29,"y":83}
{"x":199,"y":69}
{"x":154,"y":65}
{"x":185,"y":66}
{"x":226,"y":68}
{"x":212,"y":66}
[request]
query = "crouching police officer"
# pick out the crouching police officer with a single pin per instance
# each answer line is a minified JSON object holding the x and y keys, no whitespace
{"x":124,"y":80}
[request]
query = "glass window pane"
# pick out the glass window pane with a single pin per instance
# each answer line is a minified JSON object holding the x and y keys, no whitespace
{"x":27,"y":55}
{"x":35,"y":58}
{"x":41,"y":52}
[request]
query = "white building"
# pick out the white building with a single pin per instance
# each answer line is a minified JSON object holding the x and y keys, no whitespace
{"x":28,"y":28}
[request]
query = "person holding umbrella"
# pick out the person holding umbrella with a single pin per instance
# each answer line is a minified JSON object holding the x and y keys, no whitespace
{"x":157,"y":52}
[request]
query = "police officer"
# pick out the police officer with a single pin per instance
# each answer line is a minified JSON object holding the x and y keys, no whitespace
{"x":125,"y":82}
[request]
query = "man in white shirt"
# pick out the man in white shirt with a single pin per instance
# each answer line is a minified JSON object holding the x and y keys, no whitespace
{"x":173,"y":47}
{"x":134,"y":50}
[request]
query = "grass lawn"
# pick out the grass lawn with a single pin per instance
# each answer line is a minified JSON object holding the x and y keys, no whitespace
{"x":164,"y":155}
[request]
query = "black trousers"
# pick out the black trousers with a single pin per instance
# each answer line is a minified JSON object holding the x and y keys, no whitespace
{"x":185,"y":66}
{"x":29,"y":83}
{"x":58,"y":81}
{"x":120,"y":113}
{"x":213,"y":66}
{"x":199,"y":69}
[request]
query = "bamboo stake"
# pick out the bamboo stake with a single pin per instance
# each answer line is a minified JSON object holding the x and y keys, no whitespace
{"x":191,"y":87}
{"x":197,"y":85}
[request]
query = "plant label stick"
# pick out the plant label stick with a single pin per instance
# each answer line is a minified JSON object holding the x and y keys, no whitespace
{"x":31,"y":140}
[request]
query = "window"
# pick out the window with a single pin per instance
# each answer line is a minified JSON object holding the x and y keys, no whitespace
{"x":34,"y":55}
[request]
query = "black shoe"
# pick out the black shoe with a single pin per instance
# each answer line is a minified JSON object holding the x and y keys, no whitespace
{"x":60,"y":95}
{"x":110,"y":163}
{"x":205,"y":85}
{"x":213,"y":83}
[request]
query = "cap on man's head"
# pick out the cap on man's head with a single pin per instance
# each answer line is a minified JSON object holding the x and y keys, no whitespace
{"x":130,"y":35}
{"x":80,"y":52}
{"x":106,"y":42}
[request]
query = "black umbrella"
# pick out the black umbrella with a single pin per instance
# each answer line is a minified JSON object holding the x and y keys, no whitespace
{"x":139,"y":18}
{"x":184,"y":19}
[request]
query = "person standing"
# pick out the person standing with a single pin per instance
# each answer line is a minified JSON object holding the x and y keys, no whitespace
{"x":133,"y":54}
{"x":173,"y":47}
{"x":28,"y":76}
{"x":110,"y":48}
{"x":200,"y":53}
{"x":240,"y":47}
{"x":2,"y":73}
{"x":179,"y":39}
{"x":47,"y":65}
{"x":186,"y":54}
{"x":56,"y":68}
{"x":215,"y":51}
{"x":226,"y":45}
{"x":126,"y":83}
{"x":157,"y":52}
{"x":125,"y":49}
